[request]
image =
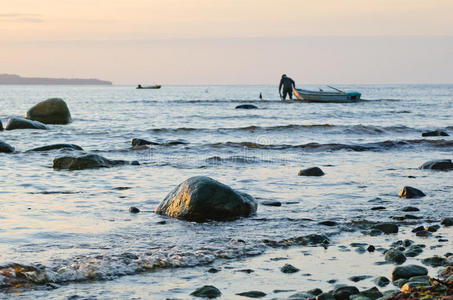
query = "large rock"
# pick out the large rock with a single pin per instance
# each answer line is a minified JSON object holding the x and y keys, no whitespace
{"x":344,"y":292}
{"x":395,"y":256}
{"x":207,"y":291}
{"x":438,"y":164}
{"x":435,"y":133}
{"x":21,"y":123}
{"x":315,"y":171}
{"x":410,"y":192}
{"x":406,"y":272}
{"x":386,"y":227}
{"x":50,"y":111}
{"x":87,"y":161}
{"x":6,"y":148}
{"x":202,"y":198}
{"x":57,"y":146}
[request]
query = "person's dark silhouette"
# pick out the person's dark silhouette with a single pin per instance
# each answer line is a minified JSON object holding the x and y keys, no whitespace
{"x":139,"y":86}
{"x":288,"y":84}
{"x":261,"y":96}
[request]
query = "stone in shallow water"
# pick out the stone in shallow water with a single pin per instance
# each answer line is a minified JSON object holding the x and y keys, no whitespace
{"x":246,"y":106}
{"x":252,"y":294}
{"x":434,"y":133}
{"x":447,"y":222}
{"x":21,"y":123}
{"x":56,"y":147}
{"x":87,"y":161}
{"x":394,"y":256}
{"x":202,"y":199}
{"x":386,"y":227}
{"x":287,"y":268}
{"x":6,"y":148}
{"x":435,"y":261}
{"x":207,"y":291}
{"x":134,"y":210}
{"x":439,"y":165}
{"x":271,"y":203}
{"x":344,"y":292}
{"x":409,"y":192}
{"x":408,"y":271}
{"x":315,"y":171}
{"x":50,"y":111}
{"x":381,"y":281}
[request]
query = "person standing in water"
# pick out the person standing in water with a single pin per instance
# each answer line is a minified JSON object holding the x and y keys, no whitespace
{"x":288,"y":84}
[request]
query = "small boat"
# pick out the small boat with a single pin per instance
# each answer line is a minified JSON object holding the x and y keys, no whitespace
{"x":156,"y":86}
{"x":328,"y":97}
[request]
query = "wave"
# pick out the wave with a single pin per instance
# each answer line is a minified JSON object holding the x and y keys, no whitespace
{"x":377,"y":146}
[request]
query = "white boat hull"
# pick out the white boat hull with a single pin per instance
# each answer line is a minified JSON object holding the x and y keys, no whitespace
{"x":327,"y":97}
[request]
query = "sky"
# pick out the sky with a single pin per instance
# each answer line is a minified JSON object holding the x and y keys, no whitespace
{"x":229,"y":41}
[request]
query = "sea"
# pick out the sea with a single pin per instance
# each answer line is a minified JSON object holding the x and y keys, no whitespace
{"x":70,"y":235}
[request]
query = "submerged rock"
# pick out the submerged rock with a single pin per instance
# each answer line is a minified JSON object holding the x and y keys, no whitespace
{"x":314,"y":171}
{"x":87,"y":161}
{"x":207,"y":291}
{"x":435,"y":133}
{"x":344,"y":292}
{"x":57,"y":146}
{"x":372,"y":293}
{"x":435,"y":261}
{"x":134,"y":210}
{"x":141,"y":142}
{"x":410,"y":192}
{"x":438,"y":164}
{"x":252,"y":294}
{"x":6,"y":148}
{"x":1,"y":126}
{"x":21,"y":123}
{"x":287,"y":268}
{"x":447,"y":222}
{"x":202,"y":198}
{"x":246,"y":106}
{"x":381,"y":281}
{"x":406,"y":272}
{"x":50,"y":111}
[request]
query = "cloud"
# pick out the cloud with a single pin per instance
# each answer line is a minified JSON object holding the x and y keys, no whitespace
{"x":21,"y":18}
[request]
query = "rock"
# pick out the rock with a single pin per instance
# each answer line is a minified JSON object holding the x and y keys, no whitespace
{"x":301,"y":296}
{"x":359,"y":278}
{"x":202,"y":198}
{"x":413,"y":251}
{"x":381,"y":281}
{"x":134,"y":210}
{"x":271,"y":203}
{"x":447,"y":222}
{"x":6,"y":148}
{"x":50,"y":111}
{"x":316,"y":239}
{"x":433,"y":228}
{"x":378,"y":208}
{"x":386,"y":227}
{"x":372,"y":293}
{"x":315,"y":171}
{"x":343,"y":293}
{"x":410,"y":209}
{"x":435,"y":261}
{"x":141,"y":142}
{"x":246,"y":106}
{"x":289,"y":269}
{"x":87,"y":161}
{"x":423,"y":233}
{"x":410,"y":192}
{"x":57,"y":146}
{"x":21,"y":123}
{"x":325,"y":296}
{"x":394,"y":256}
{"x":418,"y":228}
{"x":213,"y":270}
{"x":410,"y":286}
{"x":435,"y":133}
{"x":1,"y":126}
{"x":439,"y":164}
{"x":420,"y":278}
{"x":370,"y":248}
{"x":315,"y":291}
{"x":207,"y":291}
{"x":408,"y":271}
{"x":328,"y":223}
{"x":135,"y":163}
{"x":252,"y":294}
{"x":400,"y":282}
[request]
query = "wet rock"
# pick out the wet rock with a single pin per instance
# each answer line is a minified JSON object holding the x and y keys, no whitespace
{"x":135,"y":163}
{"x":447,"y":222}
{"x":129,"y":255}
{"x":409,"y":192}
{"x":1,"y":126}
{"x":400,"y":282}
{"x":316,"y":239}
{"x":387,"y":228}
{"x":328,"y":223}
{"x":343,"y":293}
{"x":289,"y":269}
{"x":21,"y":123}
{"x":381,"y":281}
{"x":423,"y":233}
{"x":372,"y":293}
{"x":57,"y":146}
{"x":410,"y":209}
{"x":271,"y":203}
{"x":246,"y":106}
{"x":433,"y":228}
{"x":410,"y":286}
{"x":325,"y":296}
{"x":413,"y":251}
{"x":435,"y":133}
{"x":87,"y":161}
{"x":252,"y":294}
{"x":419,"y":278}
{"x":213,"y":270}
{"x":418,"y":228}
{"x":6,"y":148}
{"x":207,"y":291}
{"x":301,"y":296}
{"x":134,"y":210}
{"x":435,"y":261}
{"x":439,"y":164}
{"x":141,"y":142}
{"x":359,"y":278}
{"x":378,"y":208}
{"x":50,"y":111}
{"x":394,"y":256}
{"x":408,"y":271}
{"x":202,"y":198}
{"x":315,"y":291}
{"x":407,"y":243}
{"x":315,"y":171}
{"x":370,"y":248}
{"x":375,"y":232}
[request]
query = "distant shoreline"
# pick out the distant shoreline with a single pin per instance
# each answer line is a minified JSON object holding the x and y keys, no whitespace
{"x":18,"y":80}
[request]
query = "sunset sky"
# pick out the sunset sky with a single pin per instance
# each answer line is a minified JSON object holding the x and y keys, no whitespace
{"x":229,"y":41}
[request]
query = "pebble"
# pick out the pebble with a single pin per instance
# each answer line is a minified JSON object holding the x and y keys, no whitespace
{"x":287,"y":268}
{"x":207,"y":291}
{"x":134,"y":210}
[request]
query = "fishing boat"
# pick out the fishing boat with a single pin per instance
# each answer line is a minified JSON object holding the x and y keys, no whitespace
{"x":155,"y":86}
{"x":336,"y":96}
